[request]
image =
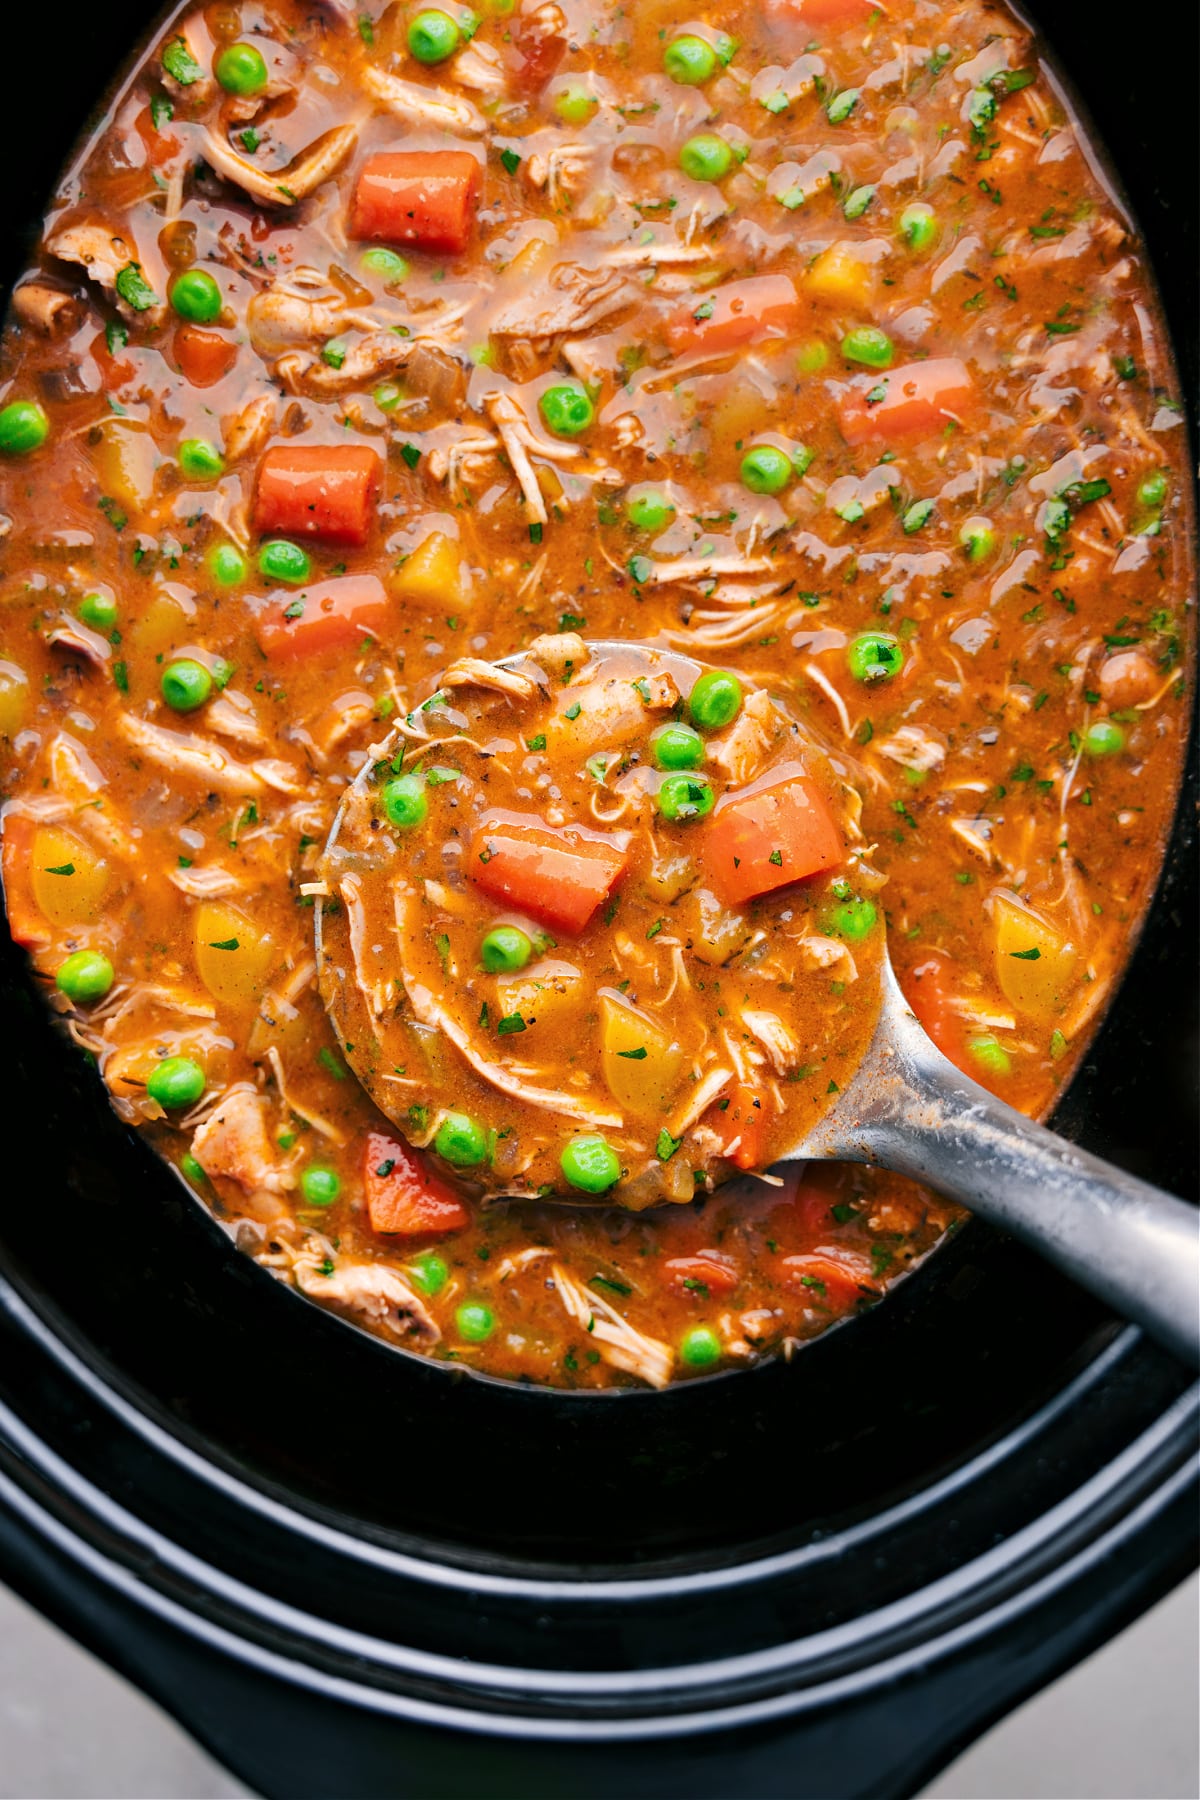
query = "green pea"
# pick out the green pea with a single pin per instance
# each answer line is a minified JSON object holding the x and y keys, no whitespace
{"x":857,"y":202}
{"x":99,"y":611}
{"x":649,"y":511}
{"x":590,"y":1164}
{"x":689,"y":60}
{"x":86,"y":975}
{"x":874,"y":656}
{"x":186,"y":684}
{"x":405,"y":802}
{"x":1103,"y":738}
{"x":1152,"y":491}
{"x":575,"y":105}
{"x":461,"y":1140}
{"x":320,"y":1185}
{"x":706,"y":157}
{"x":918,"y":226}
{"x":854,"y":919}
{"x":867,"y":344}
{"x":802,"y":460}
{"x":682,"y":797}
{"x":766,"y":470}
{"x":196,"y":297}
{"x":991,"y":1055}
{"x":716,"y":700}
{"x":700,"y":1347}
{"x":281,"y":561}
{"x":475,"y":1321}
{"x":386,"y":263}
{"x":977,"y":539}
{"x":23,"y":427}
{"x":504,"y":950}
{"x":677,"y":747}
{"x":200,"y":460}
{"x":567,"y":409}
{"x":177,"y":1082}
{"x":227,"y":565}
{"x":192,"y":1170}
{"x":812,"y":357}
{"x":433,"y":36}
{"x":241,"y":69}
{"x":917,"y":516}
{"x":428,"y":1274}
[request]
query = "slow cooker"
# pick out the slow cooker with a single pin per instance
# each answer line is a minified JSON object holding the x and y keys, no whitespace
{"x":346,"y":1570}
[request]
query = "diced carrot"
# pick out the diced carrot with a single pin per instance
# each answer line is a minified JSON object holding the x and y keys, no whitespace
{"x":557,"y":875}
{"x":317,"y":490}
{"x":25,"y":922}
{"x":744,"y":1128}
{"x":203,"y":356}
{"x":708,"y":1270}
{"x":779,"y":829}
{"x":741,"y":312}
{"x":327,"y":616}
{"x":827,"y":1280}
{"x":540,"y":49}
{"x":918,"y":399}
{"x":927,"y":988}
{"x":425,"y":198}
{"x":403,"y":1195}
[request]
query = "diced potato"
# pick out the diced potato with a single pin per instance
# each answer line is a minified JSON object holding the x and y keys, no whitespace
{"x":432,"y":573}
{"x":1034,"y":962}
{"x":163,"y":625}
{"x":69,"y":878}
{"x":14,"y":698}
{"x":843,"y":278}
{"x":233,"y":956}
{"x":738,"y":416}
{"x":715,"y":930}
{"x":606,"y":715}
{"x":124,"y":462}
{"x":641,"y":1063}
{"x":669,"y":876}
{"x":549,"y":992}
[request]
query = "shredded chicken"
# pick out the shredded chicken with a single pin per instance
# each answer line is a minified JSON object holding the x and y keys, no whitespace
{"x":234,"y":1142}
{"x":186,"y":755}
{"x":104,"y":256}
{"x":280,"y":319}
{"x":436,"y":108}
{"x":781,"y":1047}
{"x":379,"y":353}
{"x":618,"y":1342}
{"x":231,"y":715}
{"x":70,"y":634}
{"x":481,"y":67}
{"x":246,"y":431}
{"x":377,"y":1293}
{"x":913,"y":749}
{"x":706,"y":1091}
{"x":283,"y":187}
{"x":571,"y":301}
{"x":463,"y":462}
{"x":738,"y":752}
{"x":205,"y":884}
{"x":518,"y":439}
{"x":472,"y":671}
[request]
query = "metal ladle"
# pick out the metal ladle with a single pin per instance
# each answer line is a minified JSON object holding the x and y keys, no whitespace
{"x":910,"y":1109}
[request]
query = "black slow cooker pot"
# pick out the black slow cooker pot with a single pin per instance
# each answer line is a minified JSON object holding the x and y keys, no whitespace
{"x":348,"y":1571}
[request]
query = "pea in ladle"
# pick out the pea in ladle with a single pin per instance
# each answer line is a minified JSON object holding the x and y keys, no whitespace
{"x":908,"y":1108}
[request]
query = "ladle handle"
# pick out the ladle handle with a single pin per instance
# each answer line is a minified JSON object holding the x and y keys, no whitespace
{"x":1131,"y":1244}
